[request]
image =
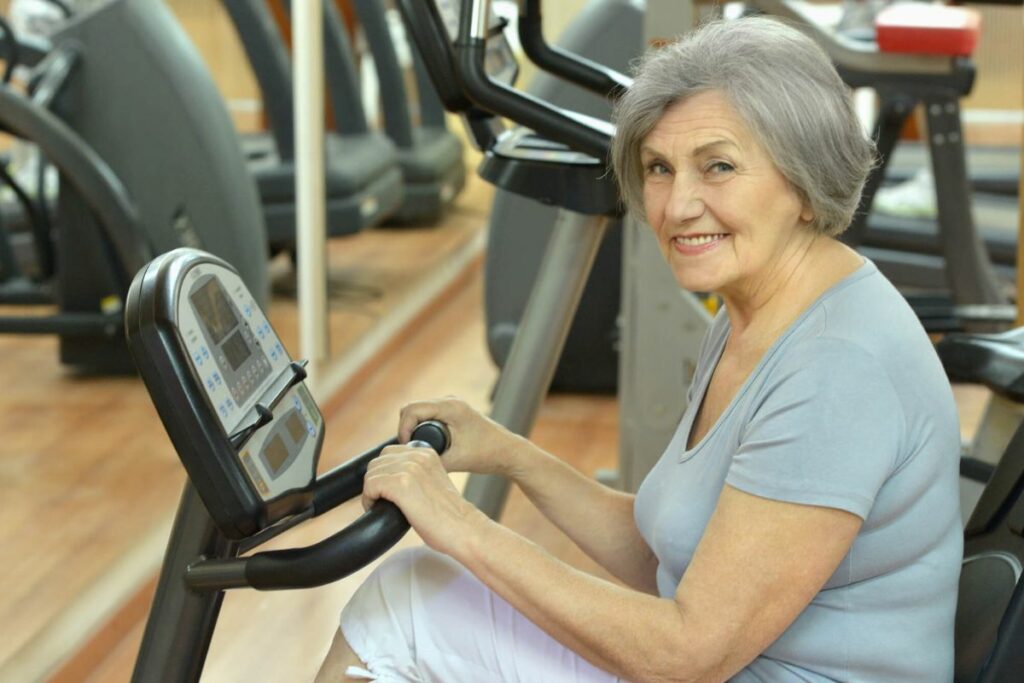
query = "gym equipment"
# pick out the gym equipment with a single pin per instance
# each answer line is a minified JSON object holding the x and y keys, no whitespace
{"x":249,"y":435}
{"x":519,"y":227}
{"x":433,"y":171}
{"x":990,"y":613}
{"x":902,"y":80}
{"x":559,"y":162}
{"x":159,"y":170}
{"x":363,"y":182}
{"x":991,"y":170}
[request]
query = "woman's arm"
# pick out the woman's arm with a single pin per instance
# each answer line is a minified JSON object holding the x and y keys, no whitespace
{"x":597,"y":518}
{"x":758,"y":565}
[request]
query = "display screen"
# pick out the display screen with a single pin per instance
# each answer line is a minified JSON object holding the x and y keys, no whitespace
{"x":296,"y":427}
{"x":236,"y":350}
{"x":275,"y":453}
{"x":214,"y":309}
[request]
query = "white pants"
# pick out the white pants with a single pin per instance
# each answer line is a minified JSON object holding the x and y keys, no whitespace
{"x":423,"y":617}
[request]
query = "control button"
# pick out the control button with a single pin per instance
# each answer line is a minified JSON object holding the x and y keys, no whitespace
{"x":310,"y":429}
{"x":248,"y":311}
{"x":217,"y":379}
{"x":205,"y":351}
{"x":209,"y":383}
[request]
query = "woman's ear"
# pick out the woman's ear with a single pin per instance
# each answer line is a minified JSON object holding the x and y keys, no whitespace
{"x":806,"y":214}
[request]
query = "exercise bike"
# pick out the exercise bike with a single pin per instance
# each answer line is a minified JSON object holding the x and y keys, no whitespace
{"x":249,"y":434}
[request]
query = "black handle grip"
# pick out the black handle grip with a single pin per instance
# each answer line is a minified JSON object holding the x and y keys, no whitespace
{"x":433,"y":433}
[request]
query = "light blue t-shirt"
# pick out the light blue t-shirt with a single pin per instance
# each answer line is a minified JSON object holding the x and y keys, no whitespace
{"x":849,"y":409}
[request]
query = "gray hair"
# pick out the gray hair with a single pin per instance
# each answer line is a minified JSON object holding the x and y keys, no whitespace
{"x":784,"y":88}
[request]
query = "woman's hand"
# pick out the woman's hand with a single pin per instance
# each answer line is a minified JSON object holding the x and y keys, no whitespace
{"x":478,"y":444}
{"x":415,"y":480}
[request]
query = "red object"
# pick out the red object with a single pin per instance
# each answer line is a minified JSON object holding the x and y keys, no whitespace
{"x":923,"y":28}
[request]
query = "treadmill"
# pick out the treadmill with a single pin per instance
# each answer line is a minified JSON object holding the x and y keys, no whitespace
{"x":430,"y":156}
{"x":944,"y":255}
{"x":362,"y":179}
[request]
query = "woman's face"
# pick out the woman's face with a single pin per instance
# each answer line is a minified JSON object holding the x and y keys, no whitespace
{"x":725,"y":218}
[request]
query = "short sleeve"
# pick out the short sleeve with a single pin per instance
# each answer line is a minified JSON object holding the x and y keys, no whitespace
{"x":826,"y":430}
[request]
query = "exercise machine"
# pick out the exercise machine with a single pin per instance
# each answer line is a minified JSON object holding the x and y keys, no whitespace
{"x":555,"y":156}
{"x":249,"y":436}
{"x":990,"y":611}
{"x":362,"y":179}
{"x":123,"y":107}
{"x":955,"y":259}
{"x":518,"y":227}
{"x":430,"y":156}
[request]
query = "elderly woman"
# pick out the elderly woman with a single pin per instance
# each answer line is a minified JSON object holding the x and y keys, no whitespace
{"x":803,"y":523}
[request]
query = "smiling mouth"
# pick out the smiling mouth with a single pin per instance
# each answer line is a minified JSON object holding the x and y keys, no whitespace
{"x":698,"y":240}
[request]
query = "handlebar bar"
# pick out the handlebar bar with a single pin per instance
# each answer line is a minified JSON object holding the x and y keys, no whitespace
{"x":574,"y":68}
{"x":581,"y":133}
{"x":337,"y":556}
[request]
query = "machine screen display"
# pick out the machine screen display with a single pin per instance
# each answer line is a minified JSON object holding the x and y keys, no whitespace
{"x":296,"y":427}
{"x":236,"y":350}
{"x":275,"y":453}
{"x":214,"y":309}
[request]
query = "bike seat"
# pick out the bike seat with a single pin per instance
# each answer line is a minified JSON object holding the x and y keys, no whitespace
{"x":995,"y":360}
{"x":921,"y":28}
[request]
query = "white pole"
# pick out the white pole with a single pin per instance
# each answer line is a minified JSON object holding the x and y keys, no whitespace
{"x":308,"y":98}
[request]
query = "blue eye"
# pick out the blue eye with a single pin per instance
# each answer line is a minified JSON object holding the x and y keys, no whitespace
{"x":720,"y":167}
{"x":657,"y":168}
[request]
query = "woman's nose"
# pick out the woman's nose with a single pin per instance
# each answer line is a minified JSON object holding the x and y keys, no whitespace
{"x":685,"y":203}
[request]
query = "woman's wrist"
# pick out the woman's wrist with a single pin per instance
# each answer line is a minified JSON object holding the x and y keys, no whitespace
{"x":472,"y":536}
{"x":517,"y":457}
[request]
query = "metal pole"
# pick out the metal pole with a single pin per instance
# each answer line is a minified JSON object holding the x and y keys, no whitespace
{"x":181,"y":620}
{"x":539,"y":340}
{"x":308,"y":97}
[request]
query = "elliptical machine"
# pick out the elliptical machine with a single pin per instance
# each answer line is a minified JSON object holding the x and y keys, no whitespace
{"x":123,"y":107}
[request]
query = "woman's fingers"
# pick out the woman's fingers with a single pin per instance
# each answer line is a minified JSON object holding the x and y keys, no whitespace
{"x":448,"y":410}
{"x":419,"y":411}
{"x":396,"y":468}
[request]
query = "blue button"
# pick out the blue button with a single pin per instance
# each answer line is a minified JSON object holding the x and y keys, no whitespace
{"x":216,"y":378}
{"x":209,"y":384}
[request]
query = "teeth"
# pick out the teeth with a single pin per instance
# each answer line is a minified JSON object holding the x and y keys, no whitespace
{"x":699,"y":240}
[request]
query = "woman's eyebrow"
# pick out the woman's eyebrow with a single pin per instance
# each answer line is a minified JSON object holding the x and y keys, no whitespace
{"x":647,"y":150}
{"x":721,"y":142}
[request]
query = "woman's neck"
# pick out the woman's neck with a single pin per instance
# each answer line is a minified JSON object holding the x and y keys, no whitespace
{"x":801,"y":277}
